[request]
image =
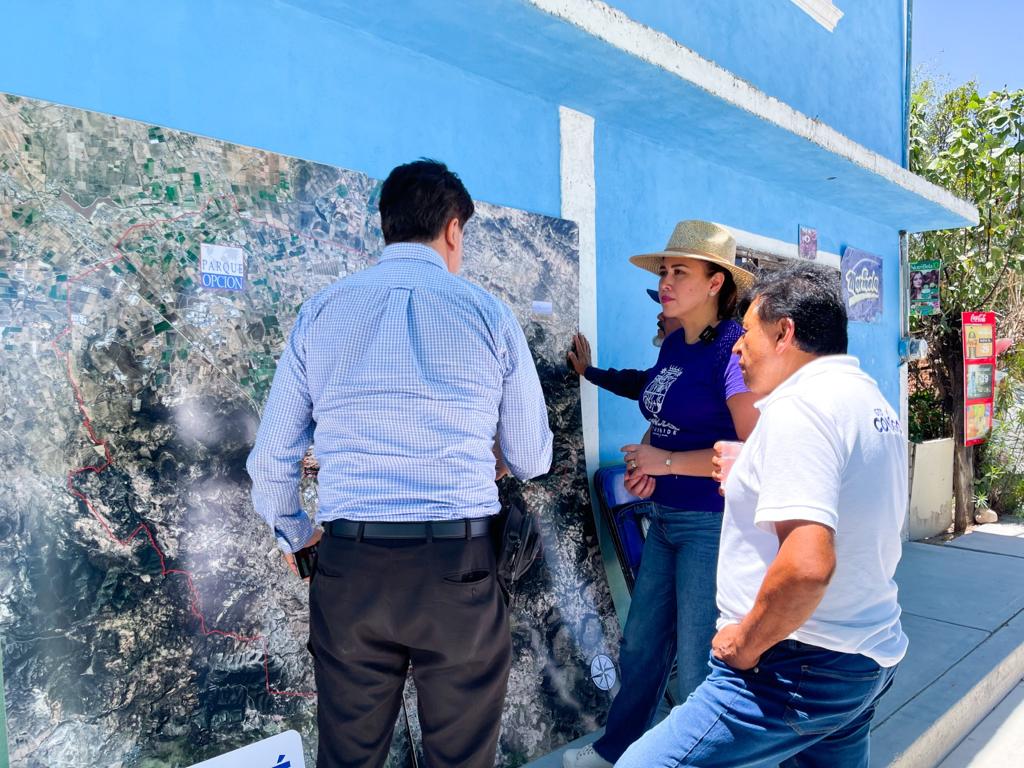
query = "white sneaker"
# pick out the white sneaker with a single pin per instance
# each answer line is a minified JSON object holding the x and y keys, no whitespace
{"x":584,"y":758}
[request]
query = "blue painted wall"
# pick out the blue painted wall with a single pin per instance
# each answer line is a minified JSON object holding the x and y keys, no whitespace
{"x":643,"y":189}
{"x":270,"y":75}
{"x":275,"y":76}
{"x":850,"y":78}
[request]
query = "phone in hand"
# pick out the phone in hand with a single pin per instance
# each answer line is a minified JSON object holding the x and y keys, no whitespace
{"x":305,"y":561}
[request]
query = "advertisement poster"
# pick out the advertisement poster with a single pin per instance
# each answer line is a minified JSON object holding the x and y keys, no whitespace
{"x":924,"y":287}
{"x":862,"y":285}
{"x":979,"y":333}
{"x":808,"y":243}
{"x":977,"y":423}
{"x":979,"y":381}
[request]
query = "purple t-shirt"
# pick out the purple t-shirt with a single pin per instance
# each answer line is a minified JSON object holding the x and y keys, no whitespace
{"x":684,"y":400}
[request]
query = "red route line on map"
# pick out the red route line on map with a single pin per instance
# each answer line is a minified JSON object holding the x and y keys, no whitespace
{"x":108,"y":458}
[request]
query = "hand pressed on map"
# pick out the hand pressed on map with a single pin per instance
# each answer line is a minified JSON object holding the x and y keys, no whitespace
{"x":578,"y":357}
{"x":289,"y":557}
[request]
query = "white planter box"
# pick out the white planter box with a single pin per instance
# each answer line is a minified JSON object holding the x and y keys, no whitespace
{"x":931,"y":488}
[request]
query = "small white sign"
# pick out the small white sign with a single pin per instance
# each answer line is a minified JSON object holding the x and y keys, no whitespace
{"x":542,"y":308}
{"x":281,"y":751}
{"x":222,"y":266}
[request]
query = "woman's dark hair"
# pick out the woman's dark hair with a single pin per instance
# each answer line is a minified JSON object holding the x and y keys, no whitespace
{"x":808,"y":294}
{"x":418,"y":199}
{"x":728,"y":294}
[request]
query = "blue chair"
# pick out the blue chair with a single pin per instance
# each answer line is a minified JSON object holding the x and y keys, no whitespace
{"x":626,"y":518}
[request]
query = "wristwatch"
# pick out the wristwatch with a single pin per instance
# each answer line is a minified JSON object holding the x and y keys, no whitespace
{"x":668,"y":462}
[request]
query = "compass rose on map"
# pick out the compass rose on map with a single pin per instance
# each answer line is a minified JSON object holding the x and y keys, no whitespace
{"x":602,"y":672}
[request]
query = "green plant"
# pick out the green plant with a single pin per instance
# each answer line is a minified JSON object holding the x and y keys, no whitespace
{"x":928,"y":420}
{"x":1000,"y":462}
{"x":973,"y":146}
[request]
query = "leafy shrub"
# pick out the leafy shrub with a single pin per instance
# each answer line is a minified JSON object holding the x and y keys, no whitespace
{"x":927,"y":419}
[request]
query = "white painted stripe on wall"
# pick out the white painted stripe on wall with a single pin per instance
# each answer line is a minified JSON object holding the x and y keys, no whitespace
{"x":579,"y":204}
{"x":658,"y":49}
{"x":822,"y":11}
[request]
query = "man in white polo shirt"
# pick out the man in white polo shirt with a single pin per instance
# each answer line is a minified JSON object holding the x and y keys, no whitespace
{"x":809,"y":634}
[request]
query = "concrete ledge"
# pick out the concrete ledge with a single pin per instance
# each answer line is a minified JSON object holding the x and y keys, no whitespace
{"x":925,"y":730}
{"x":592,"y":57}
{"x":993,"y":743}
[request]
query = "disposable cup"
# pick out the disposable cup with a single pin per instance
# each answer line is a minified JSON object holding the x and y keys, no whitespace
{"x":727,"y":452}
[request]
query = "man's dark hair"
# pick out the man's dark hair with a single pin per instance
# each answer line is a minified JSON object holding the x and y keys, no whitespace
{"x":808,"y":294}
{"x":418,"y":199}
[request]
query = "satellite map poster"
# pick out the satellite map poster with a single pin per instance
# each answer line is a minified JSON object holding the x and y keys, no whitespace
{"x":148,"y":279}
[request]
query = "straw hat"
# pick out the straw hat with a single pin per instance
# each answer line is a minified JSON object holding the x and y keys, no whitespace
{"x":702,"y":240}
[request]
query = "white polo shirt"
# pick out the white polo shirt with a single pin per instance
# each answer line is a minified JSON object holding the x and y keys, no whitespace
{"x":829,"y":449}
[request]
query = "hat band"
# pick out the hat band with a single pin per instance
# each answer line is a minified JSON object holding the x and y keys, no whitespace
{"x":716,"y":257}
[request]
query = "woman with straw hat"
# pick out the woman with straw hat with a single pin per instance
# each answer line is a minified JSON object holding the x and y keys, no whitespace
{"x":693,"y":397}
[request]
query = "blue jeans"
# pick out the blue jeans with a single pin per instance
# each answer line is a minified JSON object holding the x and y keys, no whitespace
{"x":801,"y":707}
{"x":672,"y":614}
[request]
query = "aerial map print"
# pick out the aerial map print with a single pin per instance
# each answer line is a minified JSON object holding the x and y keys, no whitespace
{"x":148,"y":279}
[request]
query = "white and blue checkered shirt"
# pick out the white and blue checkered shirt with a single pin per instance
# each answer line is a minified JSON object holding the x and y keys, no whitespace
{"x":402,"y":375}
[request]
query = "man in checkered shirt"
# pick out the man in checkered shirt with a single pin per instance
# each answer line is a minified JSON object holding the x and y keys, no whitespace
{"x":405,"y":378}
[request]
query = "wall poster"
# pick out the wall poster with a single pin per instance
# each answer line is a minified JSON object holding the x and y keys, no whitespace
{"x":979,"y":333}
{"x":148,"y":280}
{"x":862,"y":285}
{"x":807,"y":243}
{"x":924,"y":287}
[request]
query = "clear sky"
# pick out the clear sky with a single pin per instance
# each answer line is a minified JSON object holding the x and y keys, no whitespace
{"x":965,"y":40}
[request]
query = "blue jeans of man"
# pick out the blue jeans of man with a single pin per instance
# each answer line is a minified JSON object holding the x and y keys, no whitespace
{"x":672,"y":615}
{"x":800,"y":707}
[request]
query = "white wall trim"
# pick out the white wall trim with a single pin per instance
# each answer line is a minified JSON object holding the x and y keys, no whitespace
{"x":904,"y":374}
{"x":779,"y":248}
{"x":822,"y":11}
{"x":579,"y":204}
{"x":579,"y":189}
{"x":605,"y":23}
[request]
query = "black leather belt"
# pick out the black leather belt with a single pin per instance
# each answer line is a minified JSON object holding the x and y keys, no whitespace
{"x":436,"y":529}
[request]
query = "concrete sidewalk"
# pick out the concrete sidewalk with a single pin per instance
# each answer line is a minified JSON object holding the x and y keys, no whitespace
{"x":963,"y":609}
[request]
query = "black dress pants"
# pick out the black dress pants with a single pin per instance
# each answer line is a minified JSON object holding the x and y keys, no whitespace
{"x":378,"y":605}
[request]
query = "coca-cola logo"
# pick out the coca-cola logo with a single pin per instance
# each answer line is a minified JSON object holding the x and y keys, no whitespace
{"x":978,"y":317}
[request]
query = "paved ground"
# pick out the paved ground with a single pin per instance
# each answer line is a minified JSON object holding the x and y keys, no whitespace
{"x":963,"y":604}
{"x":998,"y":741}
